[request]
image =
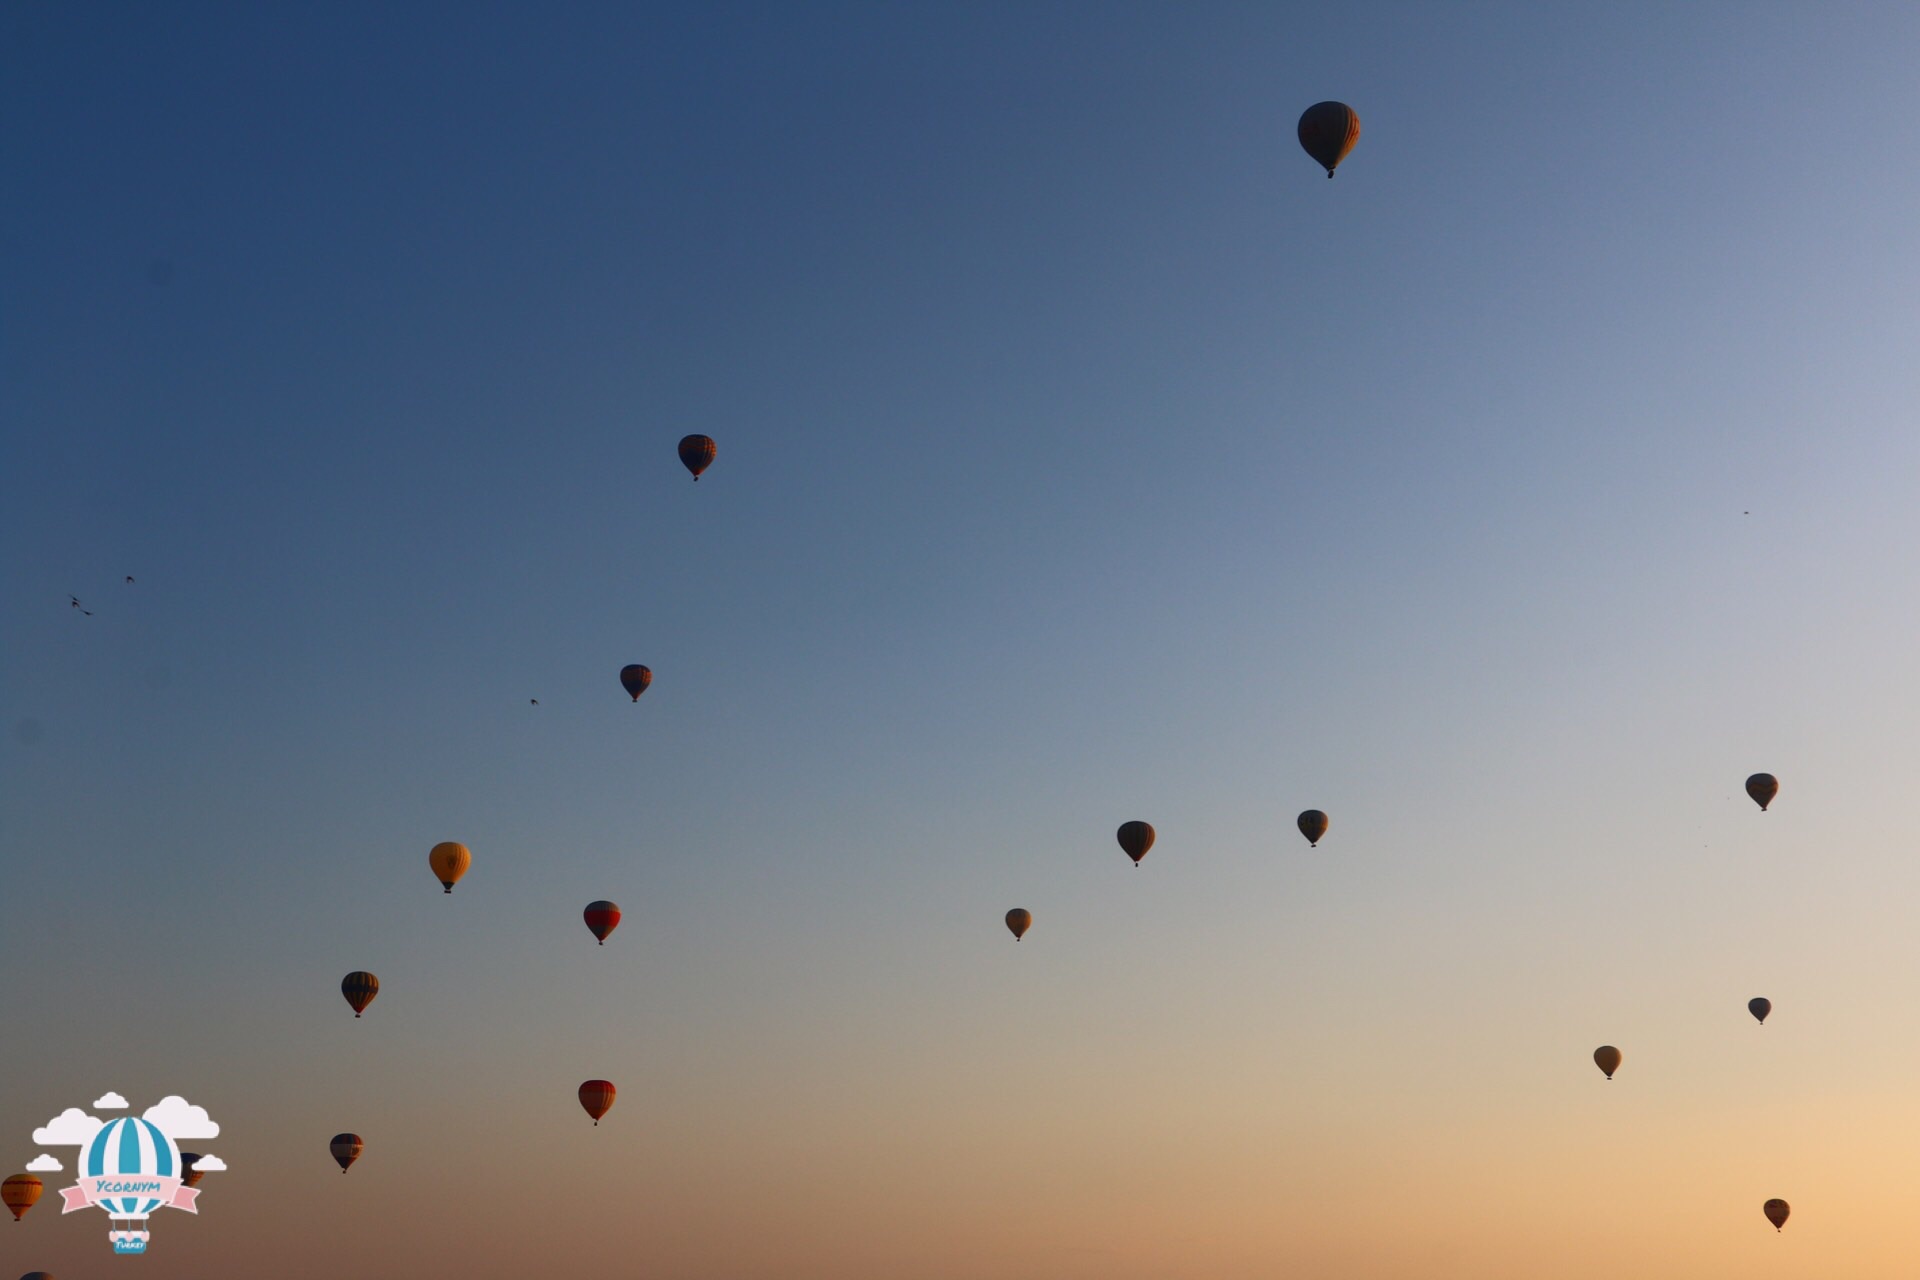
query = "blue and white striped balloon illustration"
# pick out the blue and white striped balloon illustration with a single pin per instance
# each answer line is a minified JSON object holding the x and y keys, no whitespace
{"x":131,"y":1147}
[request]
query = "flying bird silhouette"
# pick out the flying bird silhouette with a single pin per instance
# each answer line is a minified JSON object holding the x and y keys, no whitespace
{"x":129,"y":579}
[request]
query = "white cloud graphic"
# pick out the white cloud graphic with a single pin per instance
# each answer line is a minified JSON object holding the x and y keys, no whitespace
{"x":181,"y":1120}
{"x":71,"y":1128}
{"x":110,"y":1101}
{"x":44,"y":1163}
{"x":209,"y":1164}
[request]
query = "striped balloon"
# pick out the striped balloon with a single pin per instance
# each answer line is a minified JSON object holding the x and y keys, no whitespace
{"x":359,"y":987}
{"x":597,"y":1097}
{"x":346,"y":1148}
{"x":130,"y":1147}
{"x":20,"y":1193}
{"x":696,"y":453}
{"x":602,"y":918}
{"x":191,"y":1176}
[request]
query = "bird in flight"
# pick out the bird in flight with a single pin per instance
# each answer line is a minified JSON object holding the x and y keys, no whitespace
{"x":534,"y":701}
{"x":129,"y":579}
{"x":75,"y":602}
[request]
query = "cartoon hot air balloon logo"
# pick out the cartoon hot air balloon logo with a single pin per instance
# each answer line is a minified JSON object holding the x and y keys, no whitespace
{"x":130,"y":1169}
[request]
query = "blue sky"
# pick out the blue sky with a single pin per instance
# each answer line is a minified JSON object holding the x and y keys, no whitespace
{"x":1084,"y":455}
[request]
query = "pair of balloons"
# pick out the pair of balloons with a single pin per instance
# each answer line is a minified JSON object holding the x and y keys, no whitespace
{"x":1137,"y":837}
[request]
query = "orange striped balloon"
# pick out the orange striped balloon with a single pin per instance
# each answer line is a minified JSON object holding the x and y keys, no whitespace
{"x":597,"y":1097}
{"x":1327,"y":132}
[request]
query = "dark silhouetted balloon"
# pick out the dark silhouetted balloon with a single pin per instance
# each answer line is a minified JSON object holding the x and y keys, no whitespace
{"x":1328,"y":131}
{"x":1763,"y":787}
{"x":188,"y":1174}
{"x":635,"y":678}
{"x":1607,"y":1058}
{"x":597,"y":1097}
{"x":1313,"y":825}
{"x":20,"y":1193}
{"x":602,"y":918}
{"x":1777,"y":1211}
{"x":1136,"y":838}
{"x":359,"y":987}
{"x":696,"y":453}
{"x":449,"y":861}
{"x":1019,"y":920}
{"x":1760,"y":1007}
{"x":346,"y":1148}
{"x":37,"y":1275}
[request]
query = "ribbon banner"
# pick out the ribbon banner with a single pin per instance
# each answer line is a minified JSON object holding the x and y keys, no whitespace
{"x":89,"y":1192}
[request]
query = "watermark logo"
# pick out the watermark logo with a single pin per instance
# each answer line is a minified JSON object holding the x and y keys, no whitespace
{"x":130,"y":1167}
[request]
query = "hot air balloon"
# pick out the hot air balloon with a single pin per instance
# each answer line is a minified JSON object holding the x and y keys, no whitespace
{"x":1019,"y":920}
{"x":1763,"y":787}
{"x":20,"y":1193}
{"x":132,"y":1148}
{"x":635,"y":678}
{"x":1760,"y":1007}
{"x":1136,"y":838}
{"x":1776,"y":1211}
{"x":1313,"y":825}
{"x":1607,"y":1058}
{"x":597,"y":1097}
{"x":449,"y":862}
{"x":359,"y":987}
{"x":696,"y":453}
{"x":37,"y":1275}
{"x":191,"y":1176}
{"x":1328,"y":131}
{"x":602,"y":918}
{"x":346,"y":1148}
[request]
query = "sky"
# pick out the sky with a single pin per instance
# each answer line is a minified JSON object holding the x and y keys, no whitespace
{"x":1085,"y":455}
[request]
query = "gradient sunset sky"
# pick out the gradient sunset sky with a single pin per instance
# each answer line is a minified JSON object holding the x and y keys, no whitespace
{"x":1084,"y":455}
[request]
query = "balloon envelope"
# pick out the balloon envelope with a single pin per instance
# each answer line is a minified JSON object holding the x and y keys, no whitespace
{"x":1760,"y":1007}
{"x":1327,"y":132}
{"x":188,"y":1174}
{"x":346,"y":1148}
{"x":1136,"y":838}
{"x":1313,"y":825}
{"x":696,"y":453}
{"x":597,"y":1097}
{"x":1776,"y":1211}
{"x":602,"y":918}
{"x":1763,"y":787}
{"x":1019,"y":920}
{"x":635,"y":678}
{"x":449,"y":862}
{"x":359,"y":987}
{"x":20,"y":1193}
{"x":1607,"y":1058}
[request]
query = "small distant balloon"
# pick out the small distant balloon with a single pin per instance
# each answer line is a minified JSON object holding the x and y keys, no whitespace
{"x":1135,"y":838}
{"x":1760,"y":1007}
{"x":20,"y":1193}
{"x":188,"y":1174}
{"x":449,"y":862}
{"x":602,"y":918}
{"x":1763,"y":787}
{"x":346,"y":1148}
{"x":1327,"y":132}
{"x":1313,"y":825}
{"x":635,"y":678}
{"x":1019,"y":920}
{"x":597,"y":1097}
{"x":1776,"y":1211}
{"x":359,"y":987}
{"x":696,"y":453}
{"x":1607,"y":1058}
